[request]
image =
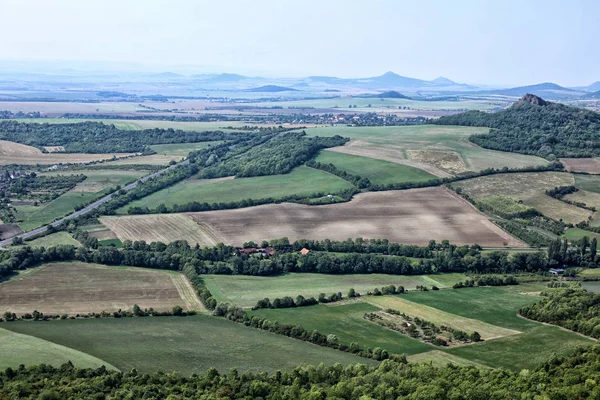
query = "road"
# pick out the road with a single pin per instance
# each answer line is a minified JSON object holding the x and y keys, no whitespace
{"x":90,"y":207}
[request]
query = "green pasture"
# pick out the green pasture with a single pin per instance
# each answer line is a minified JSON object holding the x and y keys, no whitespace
{"x":181,"y":149}
{"x":393,"y":142}
{"x":347,"y":323}
{"x":53,"y":239}
{"x":245,"y":291}
{"x":184,"y":344}
{"x":301,"y":181}
{"x":591,"y":183}
{"x":378,"y":171}
{"x":577,"y":233}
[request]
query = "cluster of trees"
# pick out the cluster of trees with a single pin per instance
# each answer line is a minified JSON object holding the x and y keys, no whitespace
{"x":487,"y":281}
{"x":97,"y":137}
{"x":582,"y":252}
{"x":569,"y":377}
{"x":359,"y":182}
{"x":507,"y":207}
{"x":530,"y":236}
{"x":236,"y":314}
{"x":135,"y":312}
{"x":571,"y":308}
{"x":534,"y":126}
{"x":39,"y":188}
{"x":560,"y":192}
{"x":278,"y":155}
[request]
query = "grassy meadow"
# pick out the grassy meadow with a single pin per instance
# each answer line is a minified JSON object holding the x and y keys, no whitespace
{"x":184,"y":344}
{"x":396,"y":143}
{"x":378,"y":171}
{"x":53,"y":239}
{"x":302,"y":181}
{"x":181,"y":149}
{"x":245,"y":291}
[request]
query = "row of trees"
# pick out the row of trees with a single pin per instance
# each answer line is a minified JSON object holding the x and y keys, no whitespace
{"x":569,"y":377}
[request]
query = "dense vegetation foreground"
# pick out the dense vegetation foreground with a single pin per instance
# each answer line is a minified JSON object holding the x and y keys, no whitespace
{"x":574,"y":377}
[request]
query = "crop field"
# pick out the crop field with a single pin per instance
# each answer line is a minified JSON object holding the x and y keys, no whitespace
{"x":58,"y":108}
{"x":302,"y":181}
{"x":409,"y":216}
{"x":439,"y":150}
{"x":30,"y":217}
{"x":529,"y":188}
{"x":347,"y":323}
{"x":164,"y":228}
{"x":9,"y":230}
{"x":378,"y":171}
{"x":185,"y":344}
{"x":53,"y":239}
{"x":589,"y":165}
{"x":154,"y":159}
{"x":438,"y":358}
{"x":99,"y":180}
{"x":245,"y":291}
{"x":76,"y":287}
{"x":439,"y":317}
{"x":17,"y":348}
{"x":574,"y":234}
{"x":15,"y":153}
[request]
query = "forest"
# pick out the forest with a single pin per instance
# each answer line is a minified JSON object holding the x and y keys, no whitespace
{"x":572,"y":377}
{"x":96,"y":137}
{"x":536,"y":127}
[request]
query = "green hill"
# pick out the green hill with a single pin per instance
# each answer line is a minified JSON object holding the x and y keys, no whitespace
{"x":537,"y":127}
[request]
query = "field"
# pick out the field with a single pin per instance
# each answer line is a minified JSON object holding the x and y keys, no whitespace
{"x":15,"y":153}
{"x":17,"y":349}
{"x":409,"y":216}
{"x":378,"y":171}
{"x":164,"y":228}
{"x":99,"y":180}
{"x":347,"y":323}
{"x":438,"y":358}
{"x":589,"y":165}
{"x":593,"y":287}
{"x":577,"y":233}
{"x":439,"y":150}
{"x":529,"y":188}
{"x":302,"y":181}
{"x":184,"y":344}
{"x":439,"y":317}
{"x":591,"y":183}
{"x":75,"y":287}
{"x":54,"y":239}
{"x":245,"y":291}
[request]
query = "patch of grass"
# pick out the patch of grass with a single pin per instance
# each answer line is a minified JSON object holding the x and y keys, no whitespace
{"x":53,"y":239}
{"x":17,"y":349}
{"x":527,"y":350}
{"x":576,"y":234}
{"x":593,"y":287}
{"x":30,"y":217}
{"x":440,"y":359}
{"x":591,"y":272}
{"x":378,"y":171}
{"x":301,"y":181}
{"x":591,"y":183}
{"x":111,"y":243}
{"x":506,"y":207}
{"x":347,"y":323}
{"x":184,"y":344}
{"x":181,"y":149}
{"x":245,"y":291}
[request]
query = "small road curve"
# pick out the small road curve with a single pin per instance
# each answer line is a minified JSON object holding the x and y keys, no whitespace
{"x":92,"y":206}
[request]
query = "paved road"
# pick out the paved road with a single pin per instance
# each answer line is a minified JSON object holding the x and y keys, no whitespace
{"x":92,"y":206}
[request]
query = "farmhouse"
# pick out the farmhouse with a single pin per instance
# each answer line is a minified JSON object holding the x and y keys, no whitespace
{"x":557,"y":271}
{"x":304,"y":251}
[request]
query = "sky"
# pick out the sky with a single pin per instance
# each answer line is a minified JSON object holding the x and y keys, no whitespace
{"x":473,"y":41}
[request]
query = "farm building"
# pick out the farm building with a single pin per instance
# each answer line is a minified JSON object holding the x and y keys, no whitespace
{"x":304,"y":251}
{"x":557,"y":271}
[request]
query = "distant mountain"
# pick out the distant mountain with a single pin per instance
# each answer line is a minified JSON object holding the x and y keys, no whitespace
{"x":594,"y":87}
{"x":390,"y":94}
{"x":391,"y":79}
{"x":535,"y":126}
{"x":224,"y":78}
{"x":594,"y":95}
{"x":546,"y":89}
{"x":441,"y":81}
{"x":166,"y":75}
{"x":271,"y":88}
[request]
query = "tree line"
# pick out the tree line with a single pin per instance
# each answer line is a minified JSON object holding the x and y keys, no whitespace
{"x":570,"y":377}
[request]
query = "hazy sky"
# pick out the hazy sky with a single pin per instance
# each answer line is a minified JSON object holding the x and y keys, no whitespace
{"x":479,"y":41}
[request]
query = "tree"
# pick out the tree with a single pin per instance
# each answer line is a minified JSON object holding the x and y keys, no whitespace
{"x":585,"y":242}
{"x":177,"y":310}
{"x":593,"y":249}
{"x":475,"y":337}
{"x":351,"y":293}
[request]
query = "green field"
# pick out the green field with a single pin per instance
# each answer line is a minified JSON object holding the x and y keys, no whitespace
{"x":347,"y":323}
{"x":245,"y":291}
{"x":17,"y":349}
{"x":181,"y":149}
{"x":577,"y":233}
{"x":53,"y":239}
{"x":301,"y":181}
{"x":591,"y":183}
{"x":378,"y":171}
{"x":593,"y":286}
{"x":395,"y":142}
{"x":184,"y":344}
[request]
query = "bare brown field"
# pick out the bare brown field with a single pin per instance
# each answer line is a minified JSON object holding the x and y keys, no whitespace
{"x":12,"y":149}
{"x":54,"y":149}
{"x":589,"y":165}
{"x":56,"y":108}
{"x":164,"y":228}
{"x":409,"y":216}
{"x":529,"y":188}
{"x":448,"y":161}
{"x":9,"y":230}
{"x":72,"y":288}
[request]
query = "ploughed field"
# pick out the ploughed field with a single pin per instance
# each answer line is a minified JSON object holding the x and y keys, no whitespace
{"x":72,"y":288}
{"x":409,"y":216}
